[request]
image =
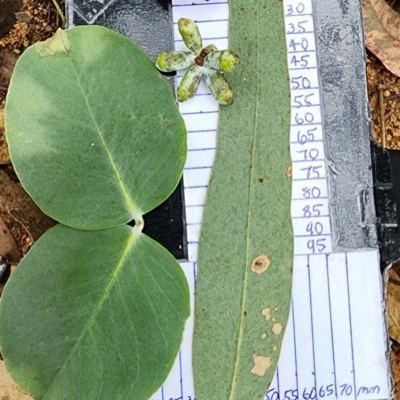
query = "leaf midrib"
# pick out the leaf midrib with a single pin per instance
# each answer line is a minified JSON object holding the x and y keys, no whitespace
{"x":91,"y":320}
{"x":246,"y":273}
{"x":131,"y":205}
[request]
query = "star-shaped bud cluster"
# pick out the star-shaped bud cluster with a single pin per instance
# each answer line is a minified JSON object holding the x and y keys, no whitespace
{"x":208,"y":62}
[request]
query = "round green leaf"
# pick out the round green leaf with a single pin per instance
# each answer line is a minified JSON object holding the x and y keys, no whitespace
{"x":93,"y":315}
{"x":93,"y":130}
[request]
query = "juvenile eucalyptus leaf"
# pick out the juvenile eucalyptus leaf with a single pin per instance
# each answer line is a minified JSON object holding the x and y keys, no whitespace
{"x":93,"y":130}
{"x":93,"y":315}
{"x":246,"y":246}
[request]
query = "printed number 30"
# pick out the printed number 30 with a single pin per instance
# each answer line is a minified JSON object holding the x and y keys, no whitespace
{"x":299,"y":9}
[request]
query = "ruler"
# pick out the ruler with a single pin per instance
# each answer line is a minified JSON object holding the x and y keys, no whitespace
{"x":335,"y":342}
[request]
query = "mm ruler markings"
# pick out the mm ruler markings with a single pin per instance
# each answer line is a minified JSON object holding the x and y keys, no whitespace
{"x":334,"y":345}
{"x":311,"y":231}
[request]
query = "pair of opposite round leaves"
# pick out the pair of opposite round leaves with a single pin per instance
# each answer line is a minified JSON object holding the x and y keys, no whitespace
{"x":96,"y":309}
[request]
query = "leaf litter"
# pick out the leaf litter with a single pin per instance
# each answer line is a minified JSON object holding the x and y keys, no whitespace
{"x":382,"y":37}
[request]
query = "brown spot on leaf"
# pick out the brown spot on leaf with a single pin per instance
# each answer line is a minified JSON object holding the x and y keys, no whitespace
{"x":289,"y":171}
{"x":275,"y":348}
{"x":263,"y":336}
{"x":260,"y":264}
{"x":267,"y":313}
{"x":261,"y":180}
{"x":277,"y":328}
{"x":261,"y":364}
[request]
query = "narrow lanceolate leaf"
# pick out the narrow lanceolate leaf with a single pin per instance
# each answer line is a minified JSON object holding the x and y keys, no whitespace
{"x":103,"y":316}
{"x":93,"y":130}
{"x":246,"y":247}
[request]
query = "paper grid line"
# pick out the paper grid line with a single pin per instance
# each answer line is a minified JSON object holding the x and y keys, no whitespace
{"x":334,"y":344}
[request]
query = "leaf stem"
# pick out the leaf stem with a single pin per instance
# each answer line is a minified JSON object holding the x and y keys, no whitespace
{"x":60,"y":12}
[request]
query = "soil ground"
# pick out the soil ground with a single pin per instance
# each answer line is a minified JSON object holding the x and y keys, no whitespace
{"x":24,"y":22}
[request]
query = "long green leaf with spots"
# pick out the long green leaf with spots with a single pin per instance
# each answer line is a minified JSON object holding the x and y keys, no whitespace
{"x":93,"y":130}
{"x":246,"y":246}
{"x":93,"y":315}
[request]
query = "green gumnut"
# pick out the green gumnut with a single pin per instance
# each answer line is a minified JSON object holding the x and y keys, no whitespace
{"x":219,"y":87}
{"x":191,"y":35}
{"x":209,"y":49}
{"x":225,"y":60}
{"x":190,"y":83}
{"x":170,"y":61}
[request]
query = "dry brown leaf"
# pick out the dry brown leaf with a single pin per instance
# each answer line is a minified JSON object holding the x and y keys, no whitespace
{"x":7,"y":64}
{"x":8,"y":247}
{"x":378,"y":39}
{"x":393,"y":304}
{"x":4,"y":155}
{"x":395,"y":364}
{"x":9,"y":390}
{"x":389,"y":19}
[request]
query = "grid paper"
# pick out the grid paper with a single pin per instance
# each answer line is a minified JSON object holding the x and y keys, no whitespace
{"x":335,"y":342}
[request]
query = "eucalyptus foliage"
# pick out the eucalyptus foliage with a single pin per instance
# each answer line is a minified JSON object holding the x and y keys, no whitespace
{"x":96,"y":309}
{"x":246,"y":246}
